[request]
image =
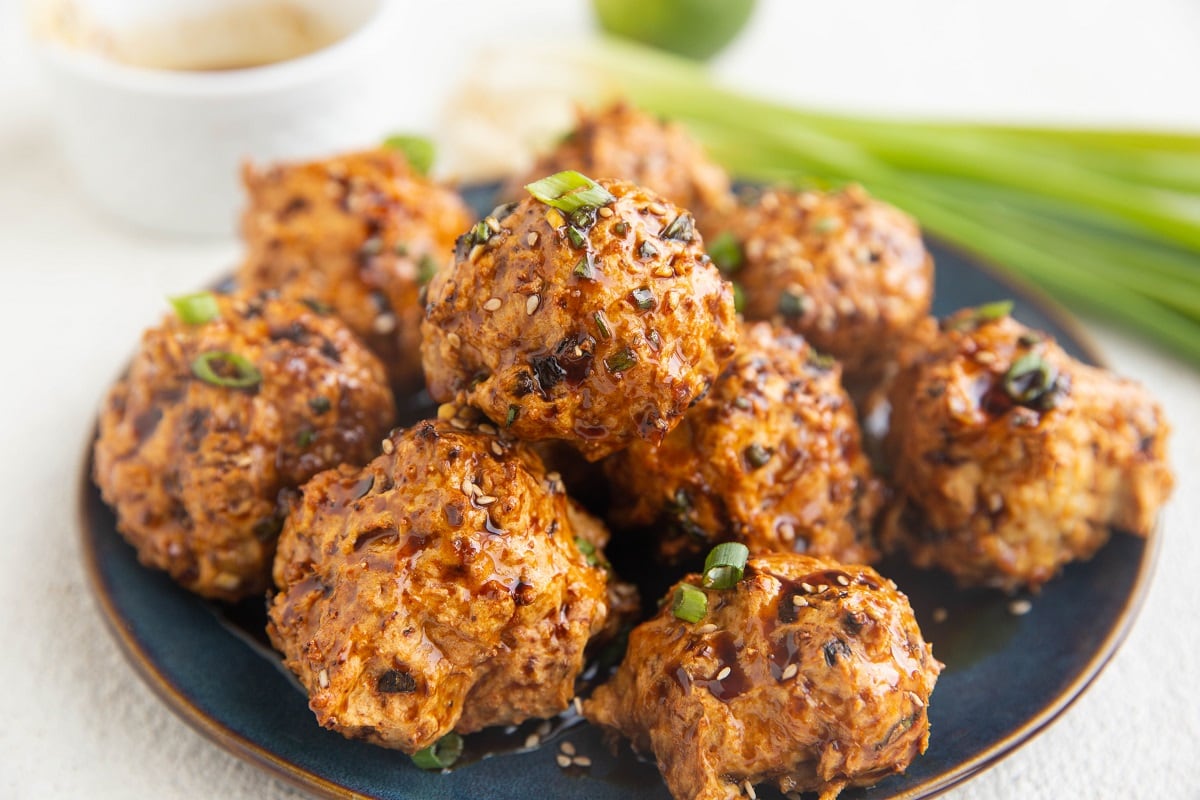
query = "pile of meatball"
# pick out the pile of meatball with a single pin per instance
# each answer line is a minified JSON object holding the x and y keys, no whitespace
{"x":437,"y":579}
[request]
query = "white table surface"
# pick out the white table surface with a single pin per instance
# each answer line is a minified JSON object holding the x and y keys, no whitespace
{"x":78,"y":288}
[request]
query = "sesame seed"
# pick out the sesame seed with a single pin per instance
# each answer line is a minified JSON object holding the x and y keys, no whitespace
{"x":492,"y":304}
{"x":446,"y":411}
{"x":707,"y":628}
{"x":384,"y":323}
{"x":665,"y":271}
{"x":531,"y":239}
{"x":490,"y":430}
{"x":843,"y":580}
{"x":567,"y":748}
{"x":563,"y":761}
{"x":824,"y":587}
{"x":799,"y":601}
{"x":582,"y":761}
{"x":787,"y":531}
{"x":655,"y":208}
{"x":578,"y":706}
{"x":808,"y":587}
{"x":544,"y":728}
{"x":748,"y":788}
{"x":790,"y":672}
{"x":493,"y":224}
{"x":497,"y":449}
{"x":892,"y":584}
{"x":531,"y":305}
{"x":532,"y":741}
{"x":917,"y":701}
{"x":473,"y":256}
{"x":485,"y":499}
{"x":605,"y":211}
{"x":468,"y":488}
{"x":553,"y":477}
{"x":939,"y":615}
{"x":227,"y":581}
{"x":724,"y":673}
{"x":1019,"y":608}
{"x":323,"y":678}
{"x":459,"y":424}
{"x":387,"y":446}
{"x":454,"y":340}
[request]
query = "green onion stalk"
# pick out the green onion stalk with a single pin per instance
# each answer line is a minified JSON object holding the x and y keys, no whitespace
{"x":1105,"y":219}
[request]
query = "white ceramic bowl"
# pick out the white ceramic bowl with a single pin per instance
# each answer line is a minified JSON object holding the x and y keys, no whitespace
{"x":163,"y":148}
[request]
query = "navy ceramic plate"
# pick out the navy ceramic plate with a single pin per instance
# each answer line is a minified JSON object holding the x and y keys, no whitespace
{"x":1007,"y":676}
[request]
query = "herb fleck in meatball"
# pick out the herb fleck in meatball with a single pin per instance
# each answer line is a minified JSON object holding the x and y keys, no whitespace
{"x":807,"y":674}
{"x":622,"y":142}
{"x":215,"y":418}
{"x":438,"y":589}
{"x":1010,"y":459}
{"x":597,"y":326}
{"x":360,"y":233}
{"x":771,"y":457}
{"x":848,"y":272}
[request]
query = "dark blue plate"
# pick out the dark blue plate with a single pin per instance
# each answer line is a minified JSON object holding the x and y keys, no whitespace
{"x":1006,"y":677}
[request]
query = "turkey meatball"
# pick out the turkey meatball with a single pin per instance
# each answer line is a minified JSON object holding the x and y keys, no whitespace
{"x":807,"y":673}
{"x":622,"y":142}
{"x":598,"y":327}
{"x":214,"y":418}
{"x":1010,"y":459}
{"x":360,"y":233}
{"x":848,"y":272}
{"x":771,"y":458}
{"x":438,"y":589}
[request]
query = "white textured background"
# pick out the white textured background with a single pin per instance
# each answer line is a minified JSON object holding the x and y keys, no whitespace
{"x":78,"y":288}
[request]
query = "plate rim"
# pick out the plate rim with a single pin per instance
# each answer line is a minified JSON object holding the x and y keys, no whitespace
{"x":216,"y":731}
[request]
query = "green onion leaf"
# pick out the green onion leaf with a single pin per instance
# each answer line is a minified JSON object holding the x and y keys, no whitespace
{"x":511,"y":417}
{"x":602,"y":325}
{"x":621,"y":360}
{"x":725,"y":565}
{"x":739,"y":297}
{"x":690,"y":604}
{"x":757,"y":456}
{"x":1031,"y":381}
{"x":196,"y":309}
{"x":226,"y":369}
{"x":306,"y":437}
{"x":481,"y":232}
{"x":643,"y":298}
{"x":793,"y":304}
{"x":417,"y":150}
{"x":319,"y":405}
{"x":441,"y":754}
{"x":726,"y":252}
{"x":680,"y":229}
{"x":426,"y":268}
{"x":584,"y":268}
{"x":317,"y":306}
{"x":570,"y":191}
{"x":647,"y":250}
{"x":988,"y":312}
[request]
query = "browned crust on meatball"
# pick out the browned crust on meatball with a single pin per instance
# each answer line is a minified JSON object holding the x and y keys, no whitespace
{"x":620,"y":141}
{"x":1003,"y":494}
{"x":193,"y":470}
{"x":550,"y":349}
{"x":848,"y":272}
{"x":772,"y":458}
{"x":437,"y":589}
{"x":808,"y":674}
{"x":360,"y":233}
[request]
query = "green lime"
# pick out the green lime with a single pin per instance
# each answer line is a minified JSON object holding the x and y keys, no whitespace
{"x":697,"y":29}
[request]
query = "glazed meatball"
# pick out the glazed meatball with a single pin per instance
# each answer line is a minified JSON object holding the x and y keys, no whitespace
{"x":849,"y":272}
{"x":360,"y":233}
{"x":1010,"y":459}
{"x":598,"y":328}
{"x":771,"y":458}
{"x":623,"y":142}
{"x":438,"y":589}
{"x":807,"y":673}
{"x":214,"y":419}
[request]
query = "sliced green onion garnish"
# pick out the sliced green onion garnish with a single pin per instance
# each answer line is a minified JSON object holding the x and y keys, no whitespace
{"x":739,"y":297}
{"x":987,"y":312}
{"x":482,"y":232}
{"x":226,"y":369}
{"x":643,"y":298}
{"x":725,"y":565}
{"x":690,"y":604}
{"x":792,"y":304}
{"x":680,"y":229}
{"x":602,"y":325}
{"x":441,"y":754}
{"x":647,"y":250}
{"x":426,"y":268}
{"x":757,"y":456}
{"x":584,"y":268}
{"x":1030,"y":379}
{"x":826,"y":224}
{"x":621,"y":360}
{"x":306,"y":437}
{"x":418,"y":151}
{"x":569,"y":191}
{"x":511,"y":417}
{"x":726,"y":252}
{"x":317,"y":307}
{"x":196,"y":309}
{"x":319,"y":405}
{"x":577,"y":237}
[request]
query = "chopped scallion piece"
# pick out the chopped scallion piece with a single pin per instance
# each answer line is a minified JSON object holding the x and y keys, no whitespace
{"x":577,"y":237}
{"x":726,"y":252}
{"x":725,"y":565}
{"x":317,"y":306}
{"x":441,"y":754}
{"x":680,"y":229}
{"x":602,"y":325}
{"x":643,"y":298}
{"x":826,"y":224}
{"x":584,"y":268}
{"x":481,"y":232}
{"x":621,"y":360}
{"x":1030,"y":381}
{"x":647,"y":250}
{"x":196,"y":309}
{"x":570,"y":191}
{"x":757,"y":456}
{"x":306,"y":437}
{"x":690,"y":604}
{"x":319,"y":405}
{"x":226,"y":369}
{"x":739,"y":297}
{"x":511,"y":417}
{"x":426,"y":268}
{"x":621,"y":228}
{"x":970,"y":320}
{"x":417,"y":150}
{"x":793,"y":304}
